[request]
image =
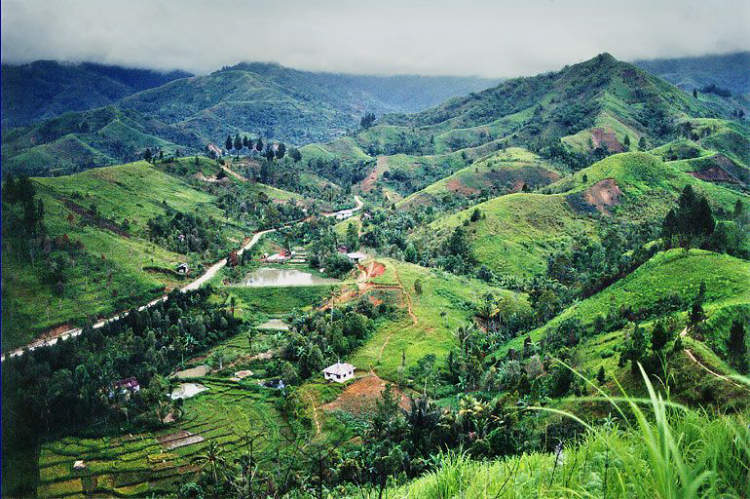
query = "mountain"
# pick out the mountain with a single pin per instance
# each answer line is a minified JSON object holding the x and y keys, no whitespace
{"x":254,"y":99}
{"x":44,"y":89}
{"x":726,"y":71}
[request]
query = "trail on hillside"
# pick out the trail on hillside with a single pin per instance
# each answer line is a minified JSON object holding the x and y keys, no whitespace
{"x":700,"y":364}
{"x":316,"y":421}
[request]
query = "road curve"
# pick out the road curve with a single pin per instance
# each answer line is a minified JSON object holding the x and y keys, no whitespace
{"x":200,"y":281}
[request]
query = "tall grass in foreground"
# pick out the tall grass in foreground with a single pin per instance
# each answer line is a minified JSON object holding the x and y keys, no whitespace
{"x":664,"y":450}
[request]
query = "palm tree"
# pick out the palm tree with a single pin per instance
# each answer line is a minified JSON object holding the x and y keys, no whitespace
{"x":213,"y":458}
{"x":232,"y":303}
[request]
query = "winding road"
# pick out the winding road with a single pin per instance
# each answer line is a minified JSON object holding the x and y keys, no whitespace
{"x":200,"y":281}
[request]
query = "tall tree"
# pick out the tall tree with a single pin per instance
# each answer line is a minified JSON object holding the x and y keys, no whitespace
{"x":237,"y":142}
{"x":280,"y":150}
{"x":259,"y":145}
{"x":737,"y":346}
{"x":228,"y":143}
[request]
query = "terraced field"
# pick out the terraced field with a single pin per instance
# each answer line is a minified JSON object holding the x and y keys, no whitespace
{"x":148,"y":463}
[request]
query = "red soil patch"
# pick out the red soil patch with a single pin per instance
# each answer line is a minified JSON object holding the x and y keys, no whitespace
{"x":375,"y":269}
{"x":603,"y":194}
{"x":607,"y":137}
{"x":715,"y":174}
{"x":455,"y":185}
{"x":361,"y":395}
{"x":369,"y":182}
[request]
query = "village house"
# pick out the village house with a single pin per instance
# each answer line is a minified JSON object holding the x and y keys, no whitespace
{"x":125,"y":386}
{"x":356,"y":257}
{"x":339,"y":372}
{"x":183,"y":268}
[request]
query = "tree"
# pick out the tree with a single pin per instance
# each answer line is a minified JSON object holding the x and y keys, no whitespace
{"x":736,"y":345}
{"x":476,"y":215}
{"x":695,"y":93}
{"x":245,"y":142}
{"x":212,"y":458}
{"x":659,"y":337}
{"x":635,"y":349}
{"x":259,"y":145}
{"x":601,"y":376}
{"x":352,"y":237}
{"x":642,"y":144}
{"x":367,"y":120}
{"x":228,"y":143}
{"x":269,"y":153}
{"x":280,"y":150}
{"x":237,"y":142}
{"x":696,"y":311}
{"x":147,"y":155}
{"x":626,"y":142}
{"x":295,"y":154}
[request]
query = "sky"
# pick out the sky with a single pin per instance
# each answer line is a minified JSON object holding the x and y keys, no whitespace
{"x":493,"y":38}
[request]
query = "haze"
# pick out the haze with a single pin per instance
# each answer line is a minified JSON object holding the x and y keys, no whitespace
{"x":486,"y":38}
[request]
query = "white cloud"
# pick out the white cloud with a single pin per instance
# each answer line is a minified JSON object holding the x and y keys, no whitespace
{"x":488,"y":38}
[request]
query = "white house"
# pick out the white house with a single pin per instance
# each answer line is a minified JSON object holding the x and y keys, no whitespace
{"x":339,"y":372}
{"x":356,"y":256}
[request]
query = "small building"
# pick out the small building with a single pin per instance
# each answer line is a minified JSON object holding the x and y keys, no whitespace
{"x":183,"y":268}
{"x":125,"y":386}
{"x":339,"y":372}
{"x":79,"y":465}
{"x":356,"y":257}
{"x":276,"y":384}
{"x":343,"y":249}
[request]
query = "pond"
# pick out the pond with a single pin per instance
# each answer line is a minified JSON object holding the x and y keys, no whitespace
{"x":270,"y":277}
{"x":187,"y":390}
{"x":274,"y":325}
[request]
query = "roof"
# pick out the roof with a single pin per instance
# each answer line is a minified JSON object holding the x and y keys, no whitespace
{"x":357,"y":255}
{"x":339,"y":368}
{"x":127,"y":383}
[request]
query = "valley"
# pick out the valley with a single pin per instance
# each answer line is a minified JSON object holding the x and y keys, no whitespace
{"x":537,"y":286}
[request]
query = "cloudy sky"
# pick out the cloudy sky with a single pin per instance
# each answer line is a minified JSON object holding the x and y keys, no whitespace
{"x":487,"y":38}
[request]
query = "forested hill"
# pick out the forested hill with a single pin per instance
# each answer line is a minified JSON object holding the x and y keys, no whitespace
{"x":43,"y":89}
{"x":727,"y":71}
{"x":255,"y":99}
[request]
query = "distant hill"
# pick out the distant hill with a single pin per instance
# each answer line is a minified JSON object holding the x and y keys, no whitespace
{"x":45,"y":89}
{"x":256,"y":99}
{"x":728,"y":71}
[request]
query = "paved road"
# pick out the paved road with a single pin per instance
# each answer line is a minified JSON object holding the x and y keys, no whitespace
{"x":343,"y":214}
{"x":200,"y":281}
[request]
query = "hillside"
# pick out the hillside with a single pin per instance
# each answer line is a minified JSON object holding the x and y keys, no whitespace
{"x":44,"y":89}
{"x":591,"y":104}
{"x":727,"y":71}
{"x":101,"y":253}
{"x":517,"y":232}
{"x":187,"y":113}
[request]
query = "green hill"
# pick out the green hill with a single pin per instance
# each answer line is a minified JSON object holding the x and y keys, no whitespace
{"x":44,"y":89}
{"x":517,"y":232}
{"x":254,"y":99}
{"x":99,"y":254}
{"x":503,"y":172}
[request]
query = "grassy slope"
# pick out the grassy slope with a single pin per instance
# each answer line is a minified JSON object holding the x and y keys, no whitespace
{"x":111,"y":263}
{"x":500,"y":170}
{"x":446,"y":302}
{"x":520,"y":230}
{"x":673,"y":272}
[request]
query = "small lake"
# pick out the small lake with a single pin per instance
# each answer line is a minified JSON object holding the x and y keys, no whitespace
{"x":270,"y":277}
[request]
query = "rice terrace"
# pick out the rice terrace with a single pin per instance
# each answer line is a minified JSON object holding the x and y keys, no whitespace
{"x":424,"y":250}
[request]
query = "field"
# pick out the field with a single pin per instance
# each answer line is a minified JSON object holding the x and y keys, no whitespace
{"x":429,"y":320}
{"x":140,"y":464}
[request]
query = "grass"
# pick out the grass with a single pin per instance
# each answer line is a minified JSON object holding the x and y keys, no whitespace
{"x":517,"y":233}
{"x":446,"y":302}
{"x":661,"y":450}
{"x":273,"y":301}
{"x":502,"y":170}
{"x":673,"y":272}
{"x":108,"y":274}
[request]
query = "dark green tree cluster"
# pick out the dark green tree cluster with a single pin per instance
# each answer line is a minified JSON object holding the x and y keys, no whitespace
{"x":691,"y":223}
